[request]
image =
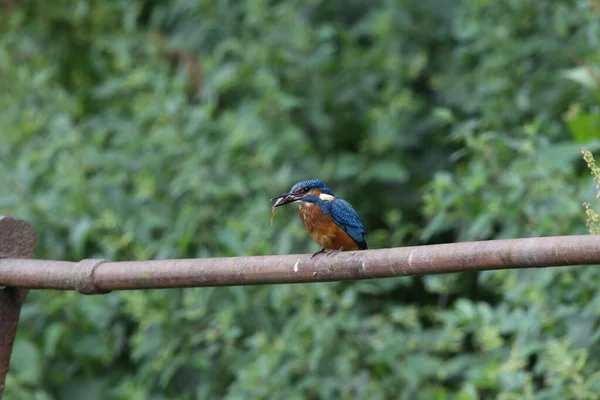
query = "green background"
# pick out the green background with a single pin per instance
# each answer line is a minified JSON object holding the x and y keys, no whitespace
{"x":137,"y":130}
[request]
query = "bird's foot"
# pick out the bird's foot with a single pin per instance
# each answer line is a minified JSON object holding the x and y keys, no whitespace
{"x":335,"y":251}
{"x":318,"y":252}
{"x":327,"y":252}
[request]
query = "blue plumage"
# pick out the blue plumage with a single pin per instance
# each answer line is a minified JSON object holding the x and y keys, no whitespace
{"x":346,"y":218}
{"x":312,"y":184}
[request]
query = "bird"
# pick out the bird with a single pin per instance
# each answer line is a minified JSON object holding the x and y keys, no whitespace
{"x":330,"y":221}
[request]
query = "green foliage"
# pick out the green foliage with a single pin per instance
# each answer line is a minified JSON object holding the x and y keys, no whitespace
{"x":144,"y":130}
{"x":593,"y":218}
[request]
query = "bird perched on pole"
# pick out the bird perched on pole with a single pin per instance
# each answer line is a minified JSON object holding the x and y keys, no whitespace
{"x":330,"y":221}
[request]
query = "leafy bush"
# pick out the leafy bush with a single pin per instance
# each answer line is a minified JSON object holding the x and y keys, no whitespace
{"x":143,"y":130}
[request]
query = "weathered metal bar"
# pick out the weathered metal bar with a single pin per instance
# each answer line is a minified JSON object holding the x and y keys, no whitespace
{"x":17,"y":239}
{"x":99,"y":276}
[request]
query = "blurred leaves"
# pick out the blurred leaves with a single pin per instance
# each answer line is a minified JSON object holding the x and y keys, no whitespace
{"x":143,"y":130}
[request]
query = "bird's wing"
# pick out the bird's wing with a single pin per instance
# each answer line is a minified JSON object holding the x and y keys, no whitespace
{"x":346,"y":218}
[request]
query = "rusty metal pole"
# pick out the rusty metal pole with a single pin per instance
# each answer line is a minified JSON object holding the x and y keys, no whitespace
{"x":17,"y":240}
{"x":96,"y":276}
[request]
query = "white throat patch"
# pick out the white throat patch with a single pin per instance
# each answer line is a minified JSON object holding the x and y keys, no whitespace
{"x":305,"y":204}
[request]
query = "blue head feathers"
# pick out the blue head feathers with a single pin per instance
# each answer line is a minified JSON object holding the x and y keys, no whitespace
{"x":312,"y":184}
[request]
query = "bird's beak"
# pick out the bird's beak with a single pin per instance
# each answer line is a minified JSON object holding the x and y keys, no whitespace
{"x":285,"y":198}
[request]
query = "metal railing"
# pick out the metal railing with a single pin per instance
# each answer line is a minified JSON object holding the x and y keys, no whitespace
{"x":19,"y":273}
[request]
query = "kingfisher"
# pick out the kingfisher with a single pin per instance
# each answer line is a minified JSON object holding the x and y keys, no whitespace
{"x":330,"y":221}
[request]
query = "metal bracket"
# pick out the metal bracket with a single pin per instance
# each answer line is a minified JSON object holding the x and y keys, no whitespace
{"x":17,"y":240}
{"x":83,"y":279}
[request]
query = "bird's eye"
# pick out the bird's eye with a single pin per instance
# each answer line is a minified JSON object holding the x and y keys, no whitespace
{"x":305,"y":189}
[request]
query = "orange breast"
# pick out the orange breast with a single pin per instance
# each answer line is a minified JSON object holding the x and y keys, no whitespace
{"x":323,"y":230}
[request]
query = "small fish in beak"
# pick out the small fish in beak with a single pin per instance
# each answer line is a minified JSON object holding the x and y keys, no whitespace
{"x":282,"y":200}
